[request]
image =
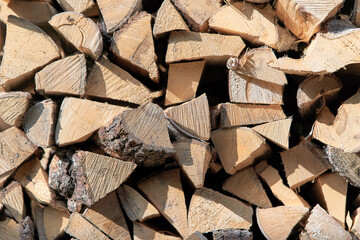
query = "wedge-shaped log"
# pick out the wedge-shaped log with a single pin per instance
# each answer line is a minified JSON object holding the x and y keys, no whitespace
{"x":9,"y":229}
{"x":86,"y":7}
{"x":142,"y":232}
{"x":13,"y":200}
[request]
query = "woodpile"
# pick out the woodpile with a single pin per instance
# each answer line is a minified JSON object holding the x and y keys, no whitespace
{"x":180,"y":119}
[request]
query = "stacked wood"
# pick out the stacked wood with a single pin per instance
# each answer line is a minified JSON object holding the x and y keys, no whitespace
{"x":9,"y":229}
{"x":13,"y":107}
{"x":142,"y":232}
{"x":86,"y":7}
{"x":13,"y":200}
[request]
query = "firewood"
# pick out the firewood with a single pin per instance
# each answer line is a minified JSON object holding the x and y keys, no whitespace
{"x":355,"y":227}
{"x":164,"y":190}
{"x":191,"y":46}
{"x":133,"y":47}
{"x":286,"y":218}
{"x":142,"y":232}
{"x":243,"y":89}
{"x":251,"y":189}
{"x":3,"y":178}
{"x":37,"y":50}
{"x":197,"y":13}
{"x":277,"y":132}
{"x":196,"y":236}
{"x":312,"y":89}
{"x":9,"y":229}
{"x":107,"y":216}
{"x":254,"y":24}
{"x":183,"y":81}
{"x":76,"y":121}
{"x":232,"y":234}
{"x":210,"y":210}
{"x":117,"y":13}
{"x":80,"y":31}
{"x":86,"y":7}
{"x":321,"y":225}
{"x":194,"y":158}
{"x":13,"y":107}
{"x":168,"y":19}
{"x":272,"y":178}
{"x":139,"y":135}
{"x":63,"y":77}
{"x":238,"y":147}
{"x":356,"y":18}
{"x":330,"y":192}
{"x":304,"y":18}
{"x":108,"y":81}
{"x":39,"y":123}
{"x":13,"y":200}
{"x":135,"y":205}
{"x":193,"y":116}
{"x":27,"y":230}
{"x":303,"y":163}
{"x":80,"y":228}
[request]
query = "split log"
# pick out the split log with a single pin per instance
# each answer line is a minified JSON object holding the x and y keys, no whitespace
{"x":254,"y":24}
{"x":356,"y":17}
{"x":107,"y":216}
{"x":210,"y":210}
{"x":142,"y":232}
{"x":86,"y":7}
{"x":286,"y":217}
{"x":194,"y":158}
{"x":330,"y":192}
{"x":80,"y":31}
{"x":197,"y":13}
{"x":40,"y":121}
{"x":168,"y":19}
{"x":303,"y":163}
{"x":117,"y":13}
{"x":3,"y":178}
{"x":193,"y":116}
{"x":277,"y":132}
{"x":183,"y":81}
{"x":164,"y":190}
{"x":232,"y":234}
{"x":196,"y":236}
{"x":133,"y":47}
{"x":37,"y":50}
{"x":246,"y":185}
{"x":76,"y":121}
{"x":135,"y":205}
{"x":321,"y":225}
{"x":244,"y":89}
{"x":191,"y":46}
{"x":238,"y":147}
{"x":63,"y":77}
{"x":304,"y":18}
{"x":13,"y":199}
{"x":9,"y":229}
{"x":272,"y":178}
{"x":139,"y":135}
{"x":13,"y":106}
{"x":355,"y":227}
{"x":27,"y":230}
{"x":314,"y":88}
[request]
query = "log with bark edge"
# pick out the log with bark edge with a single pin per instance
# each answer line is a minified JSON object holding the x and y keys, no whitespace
{"x":142,"y":232}
{"x":133,"y":47}
{"x":13,"y":200}
{"x":196,"y":236}
{"x":355,"y":227}
{"x":9,"y":229}
{"x":232,"y":234}
{"x":86,"y":7}
{"x":80,"y":31}
{"x":27,"y":230}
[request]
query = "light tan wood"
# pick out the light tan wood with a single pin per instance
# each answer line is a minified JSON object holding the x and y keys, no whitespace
{"x":210,"y":210}
{"x":80,"y":228}
{"x":246,"y":185}
{"x":194,"y":158}
{"x":13,"y":106}
{"x":3,"y":179}
{"x":304,"y":18}
{"x":108,"y":81}
{"x":80,"y":31}
{"x":164,"y":190}
{"x":183,"y":81}
{"x":63,"y":77}
{"x":107,"y":215}
{"x":142,"y":232}
{"x":356,"y":18}
{"x":257,"y":25}
{"x":13,"y":199}
{"x":117,"y":13}
{"x":79,"y":119}
{"x":40,"y":121}
{"x":303,"y":163}
{"x":135,"y":205}
{"x":37,"y":50}
{"x":191,"y":46}
{"x":9,"y":229}
{"x":330,"y":191}
{"x":286,"y":217}
{"x":321,"y":225}
{"x":194,"y":116}
{"x":355,"y":227}
{"x":243,"y":89}
{"x":168,"y":19}
{"x":133,"y":47}
{"x":238,"y":147}
{"x":196,"y":236}
{"x":272,"y":178}
{"x":86,"y":7}
{"x":277,"y":132}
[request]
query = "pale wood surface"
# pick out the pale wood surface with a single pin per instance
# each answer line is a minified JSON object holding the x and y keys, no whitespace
{"x":9,"y":229}
{"x":196,"y":236}
{"x":87,"y":7}
{"x":13,"y":200}
{"x":3,"y":179}
{"x":142,"y":232}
